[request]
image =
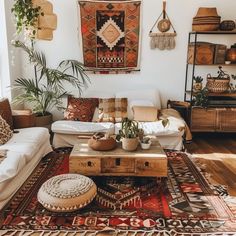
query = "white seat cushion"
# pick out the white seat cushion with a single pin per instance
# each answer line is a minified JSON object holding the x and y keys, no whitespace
{"x":27,"y":141}
{"x":78,"y":127}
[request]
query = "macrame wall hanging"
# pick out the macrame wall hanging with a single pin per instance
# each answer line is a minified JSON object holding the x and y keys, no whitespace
{"x":163,"y":39}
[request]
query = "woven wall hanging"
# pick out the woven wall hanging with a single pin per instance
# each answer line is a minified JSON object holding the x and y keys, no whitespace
{"x":163,"y":39}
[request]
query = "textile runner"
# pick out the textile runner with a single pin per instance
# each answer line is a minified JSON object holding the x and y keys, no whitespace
{"x":182,"y":204}
{"x":110,"y":33}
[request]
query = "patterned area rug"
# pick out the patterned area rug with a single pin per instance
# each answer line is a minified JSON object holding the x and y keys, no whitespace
{"x":182,"y":204}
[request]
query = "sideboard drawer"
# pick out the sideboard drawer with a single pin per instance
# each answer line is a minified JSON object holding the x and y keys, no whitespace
{"x":85,"y":166}
{"x":117,"y":165}
{"x":149,"y":167}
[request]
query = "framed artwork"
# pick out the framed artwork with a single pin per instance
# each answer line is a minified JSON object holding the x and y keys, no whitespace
{"x":110,"y":35}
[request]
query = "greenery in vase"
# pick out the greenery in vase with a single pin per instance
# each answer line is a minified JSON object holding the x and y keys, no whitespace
{"x":46,"y":89}
{"x":129,"y":129}
{"x":26,"y":16}
{"x":201,"y":98}
{"x":222,"y":74}
{"x":232,"y":87}
{"x":233,"y":46}
{"x":146,"y":140}
{"x":197,"y":79}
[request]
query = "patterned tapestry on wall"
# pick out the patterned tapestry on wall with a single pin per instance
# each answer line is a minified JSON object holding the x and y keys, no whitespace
{"x":110,"y":32}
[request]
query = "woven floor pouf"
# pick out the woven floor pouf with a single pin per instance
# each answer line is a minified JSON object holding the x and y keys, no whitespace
{"x":67,"y":192}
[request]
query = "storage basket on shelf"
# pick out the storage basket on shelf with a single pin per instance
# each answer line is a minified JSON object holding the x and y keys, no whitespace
{"x":216,"y":85}
{"x":206,"y":19}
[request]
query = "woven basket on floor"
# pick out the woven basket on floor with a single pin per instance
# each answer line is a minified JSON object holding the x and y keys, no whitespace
{"x":216,"y":85}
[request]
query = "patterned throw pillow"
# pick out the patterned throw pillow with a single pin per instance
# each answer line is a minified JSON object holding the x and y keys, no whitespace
{"x":80,"y":109}
{"x":121,"y":105}
{"x":5,"y":111}
{"x":112,"y":109}
{"x":106,"y":110}
{"x":5,"y":131}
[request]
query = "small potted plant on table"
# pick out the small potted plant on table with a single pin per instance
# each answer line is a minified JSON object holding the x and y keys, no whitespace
{"x":129,"y":134}
{"x":145,"y":143}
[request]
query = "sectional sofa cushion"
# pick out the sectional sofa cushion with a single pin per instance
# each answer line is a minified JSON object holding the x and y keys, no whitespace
{"x":78,"y":127}
{"x":5,"y":131}
{"x":143,"y":113}
{"x":81,"y":109}
{"x":5,"y":111}
{"x":24,"y":151}
{"x":152,"y":95}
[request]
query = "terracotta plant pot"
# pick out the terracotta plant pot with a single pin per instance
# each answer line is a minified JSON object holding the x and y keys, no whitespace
{"x":197,"y":87}
{"x":130,"y":144}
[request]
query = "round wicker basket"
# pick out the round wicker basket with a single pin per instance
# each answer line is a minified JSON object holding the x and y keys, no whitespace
{"x":216,"y":85}
{"x":130,"y":144}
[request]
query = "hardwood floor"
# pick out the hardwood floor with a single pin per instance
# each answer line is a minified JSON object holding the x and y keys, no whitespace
{"x":218,"y":153}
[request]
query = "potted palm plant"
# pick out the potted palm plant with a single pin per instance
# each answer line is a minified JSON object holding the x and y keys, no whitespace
{"x":46,"y":88}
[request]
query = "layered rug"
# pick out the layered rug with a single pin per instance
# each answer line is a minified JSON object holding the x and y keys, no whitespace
{"x":182,"y":204}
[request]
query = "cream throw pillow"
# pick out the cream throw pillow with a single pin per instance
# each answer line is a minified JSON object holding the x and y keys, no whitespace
{"x":145,"y":113}
{"x":5,"y":131}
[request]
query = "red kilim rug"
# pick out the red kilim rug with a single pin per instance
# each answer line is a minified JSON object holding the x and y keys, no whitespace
{"x":182,"y":204}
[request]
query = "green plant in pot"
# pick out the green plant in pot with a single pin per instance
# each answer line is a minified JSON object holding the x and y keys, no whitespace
{"x":26,"y":15}
{"x":46,"y":88}
{"x":201,"y":98}
{"x":220,"y":83}
{"x":197,"y":85}
{"x":145,"y":142}
{"x":129,"y":134}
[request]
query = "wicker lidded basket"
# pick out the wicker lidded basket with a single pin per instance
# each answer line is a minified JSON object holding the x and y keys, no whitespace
{"x":216,"y":85}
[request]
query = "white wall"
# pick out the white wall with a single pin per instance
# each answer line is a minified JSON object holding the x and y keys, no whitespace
{"x":164,"y":70}
{"x":10,"y":65}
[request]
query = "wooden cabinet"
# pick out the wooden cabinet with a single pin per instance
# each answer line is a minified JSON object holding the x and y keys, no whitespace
{"x":213,"y":119}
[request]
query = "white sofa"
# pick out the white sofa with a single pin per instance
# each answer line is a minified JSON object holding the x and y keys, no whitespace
{"x":170,"y":137}
{"x":24,"y":151}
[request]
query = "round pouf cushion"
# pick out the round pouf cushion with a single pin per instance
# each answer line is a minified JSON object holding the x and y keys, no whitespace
{"x":67,"y":192}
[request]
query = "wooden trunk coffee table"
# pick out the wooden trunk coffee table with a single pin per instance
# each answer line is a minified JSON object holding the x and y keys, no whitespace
{"x":118,"y":162}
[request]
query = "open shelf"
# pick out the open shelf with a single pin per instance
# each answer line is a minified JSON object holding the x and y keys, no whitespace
{"x":214,"y":32}
{"x":226,"y":94}
{"x":231,"y":64}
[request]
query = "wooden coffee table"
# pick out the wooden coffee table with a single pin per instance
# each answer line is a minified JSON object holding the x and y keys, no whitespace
{"x":118,"y":162}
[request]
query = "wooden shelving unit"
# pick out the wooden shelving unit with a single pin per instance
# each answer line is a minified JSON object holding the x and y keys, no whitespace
{"x":220,"y":116}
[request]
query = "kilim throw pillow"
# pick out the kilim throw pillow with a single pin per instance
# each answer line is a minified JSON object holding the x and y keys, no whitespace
{"x":120,"y":109}
{"x":5,"y":111}
{"x":106,"y":110}
{"x":5,"y":131}
{"x":80,"y":109}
